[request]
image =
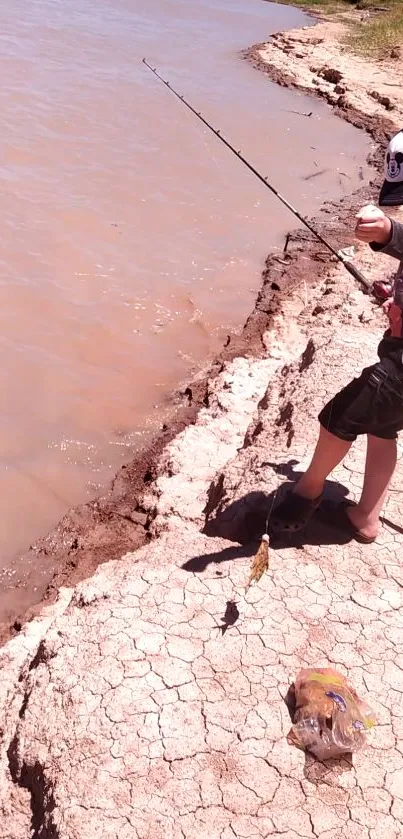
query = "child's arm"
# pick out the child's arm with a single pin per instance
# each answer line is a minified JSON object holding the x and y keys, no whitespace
{"x":394,"y":247}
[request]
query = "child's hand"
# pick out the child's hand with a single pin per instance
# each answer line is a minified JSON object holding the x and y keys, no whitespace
{"x":372,"y":225}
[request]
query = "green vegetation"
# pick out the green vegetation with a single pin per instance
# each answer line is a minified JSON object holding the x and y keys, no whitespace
{"x":328,"y":6}
{"x":380,"y":34}
{"x":373,"y":36}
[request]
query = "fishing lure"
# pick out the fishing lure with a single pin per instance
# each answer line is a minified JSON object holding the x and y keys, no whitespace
{"x":260,"y":562}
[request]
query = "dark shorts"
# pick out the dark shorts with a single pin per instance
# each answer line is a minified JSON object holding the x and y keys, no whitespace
{"x":371,"y":404}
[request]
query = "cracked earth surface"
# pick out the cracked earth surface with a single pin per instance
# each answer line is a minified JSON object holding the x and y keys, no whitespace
{"x":130,"y":711}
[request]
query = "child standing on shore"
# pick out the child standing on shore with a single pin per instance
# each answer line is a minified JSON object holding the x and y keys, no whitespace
{"x":371,"y":404}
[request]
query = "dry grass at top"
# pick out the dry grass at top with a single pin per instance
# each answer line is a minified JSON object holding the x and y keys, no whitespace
{"x":380,"y":34}
{"x":376,"y":28}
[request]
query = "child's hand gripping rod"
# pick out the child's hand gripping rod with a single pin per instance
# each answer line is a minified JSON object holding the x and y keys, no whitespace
{"x":338,"y":254}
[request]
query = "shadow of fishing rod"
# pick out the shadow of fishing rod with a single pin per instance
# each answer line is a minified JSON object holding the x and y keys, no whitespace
{"x":338,"y":254}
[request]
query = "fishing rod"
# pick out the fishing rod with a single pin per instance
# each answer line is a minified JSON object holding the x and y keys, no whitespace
{"x":338,"y":254}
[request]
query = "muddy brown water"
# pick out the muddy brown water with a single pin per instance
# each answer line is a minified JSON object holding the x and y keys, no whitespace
{"x":132,"y":241}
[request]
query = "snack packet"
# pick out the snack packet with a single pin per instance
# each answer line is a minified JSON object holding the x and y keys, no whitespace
{"x":330,"y":719}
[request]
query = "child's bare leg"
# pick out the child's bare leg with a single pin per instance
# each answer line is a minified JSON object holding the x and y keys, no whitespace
{"x":379,"y":468}
{"x":294,"y":512}
{"x":330,"y":451}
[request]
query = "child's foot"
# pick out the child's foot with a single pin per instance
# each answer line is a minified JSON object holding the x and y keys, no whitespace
{"x":347,"y":516}
{"x":294,"y":513}
{"x":364,"y":530}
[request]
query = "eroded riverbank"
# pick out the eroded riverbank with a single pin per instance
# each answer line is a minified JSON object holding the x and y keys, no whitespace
{"x":132,"y":241}
{"x":109,"y":526}
{"x":161,"y":721}
{"x":316,"y":61}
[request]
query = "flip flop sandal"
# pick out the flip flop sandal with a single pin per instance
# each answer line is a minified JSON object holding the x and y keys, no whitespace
{"x":340,"y":518}
{"x":294,"y":513}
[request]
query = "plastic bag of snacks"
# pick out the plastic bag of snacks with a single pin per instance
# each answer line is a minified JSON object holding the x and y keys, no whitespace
{"x":330,"y":719}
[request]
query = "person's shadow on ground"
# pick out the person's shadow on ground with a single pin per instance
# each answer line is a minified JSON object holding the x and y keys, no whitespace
{"x":245,"y":520}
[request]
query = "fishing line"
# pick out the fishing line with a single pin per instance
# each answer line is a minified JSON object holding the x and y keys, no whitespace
{"x":264,"y":179}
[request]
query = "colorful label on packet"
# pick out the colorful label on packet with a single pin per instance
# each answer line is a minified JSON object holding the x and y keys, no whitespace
{"x":338,"y":700}
{"x":331,"y":678}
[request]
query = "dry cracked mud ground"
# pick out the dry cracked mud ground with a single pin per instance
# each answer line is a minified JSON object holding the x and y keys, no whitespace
{"x":131,"y":709}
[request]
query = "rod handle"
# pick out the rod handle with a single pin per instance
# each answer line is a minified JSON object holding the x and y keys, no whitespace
{"x":357,"y":274}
